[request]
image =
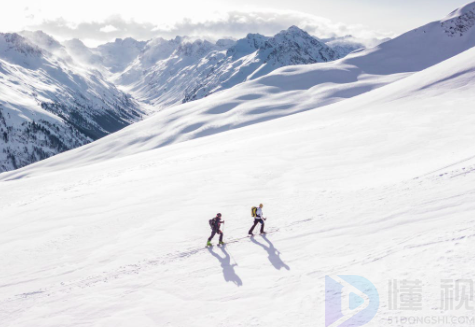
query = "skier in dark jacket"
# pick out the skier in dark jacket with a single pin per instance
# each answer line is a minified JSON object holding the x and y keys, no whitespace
{"x":215,"y":226}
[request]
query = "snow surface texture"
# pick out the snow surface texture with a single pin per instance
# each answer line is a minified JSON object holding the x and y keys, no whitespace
{"x":380,"y":185}
{"x":48,"y":104}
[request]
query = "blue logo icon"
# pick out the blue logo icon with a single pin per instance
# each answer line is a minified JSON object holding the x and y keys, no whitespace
{"x":350,"y":300}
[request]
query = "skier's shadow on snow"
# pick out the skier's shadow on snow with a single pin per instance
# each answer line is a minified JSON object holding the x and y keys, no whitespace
{"x":274,"y":254}
{"x":228,"y":268}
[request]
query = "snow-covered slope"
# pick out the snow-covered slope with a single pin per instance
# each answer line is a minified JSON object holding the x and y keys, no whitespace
{"x":69,"y":101}
{"x":290,"y":90}
{"x":177,"y":76}
{"x":170,"y":72}
{"x":380,"y":185}
{"x":214,"y":117}
{"x":48,"y":104}
{"x":282,"y":92}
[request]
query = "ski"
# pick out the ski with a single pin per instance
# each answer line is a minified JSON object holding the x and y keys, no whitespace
{"x":235,"y":240}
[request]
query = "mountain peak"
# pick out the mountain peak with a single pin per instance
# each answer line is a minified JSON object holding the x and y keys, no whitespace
{"x":248,"y":45}
{"x":42,"y":40}
{"x":294,"y":32}
{"x":466,"y":9}
{"x":225,"y":43}
{"x":256,"y":36}
{"x":195,"y":48}
{"x":19,"y":43}
{"x":128,"y":41}
{"x":460,"y":21}
{"x":76,"y":42}
{"x":294,"y":46}
{"x":296,"y":29}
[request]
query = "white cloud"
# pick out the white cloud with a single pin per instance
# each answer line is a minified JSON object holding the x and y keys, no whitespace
{"x":234,"y":24}
{"x":108,"y":29}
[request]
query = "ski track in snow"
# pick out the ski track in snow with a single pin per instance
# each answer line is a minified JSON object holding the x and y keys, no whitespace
{"x":300,"y":231}
{"x":132,"y":269}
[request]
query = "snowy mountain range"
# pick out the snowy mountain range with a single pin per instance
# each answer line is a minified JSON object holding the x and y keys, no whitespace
{"x":372,"y":176}
{"x":170,"y":72}
{"x":60,"y":96}
{"x":293,"y":89}
{"x":48,"y":104}
{"x":56,"y":96}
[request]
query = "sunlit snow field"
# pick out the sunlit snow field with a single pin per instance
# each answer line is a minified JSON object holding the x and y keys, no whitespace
{"x":381,"y":185}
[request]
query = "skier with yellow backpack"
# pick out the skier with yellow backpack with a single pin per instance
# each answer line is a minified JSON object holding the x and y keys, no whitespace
{"x":258,"y":216}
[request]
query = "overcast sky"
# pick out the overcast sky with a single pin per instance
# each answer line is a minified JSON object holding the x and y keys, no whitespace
{"x":99,"y":21}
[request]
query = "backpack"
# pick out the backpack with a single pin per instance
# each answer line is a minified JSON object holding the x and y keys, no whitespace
{"x":254,"y":212}
{"x":212,"y":222}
